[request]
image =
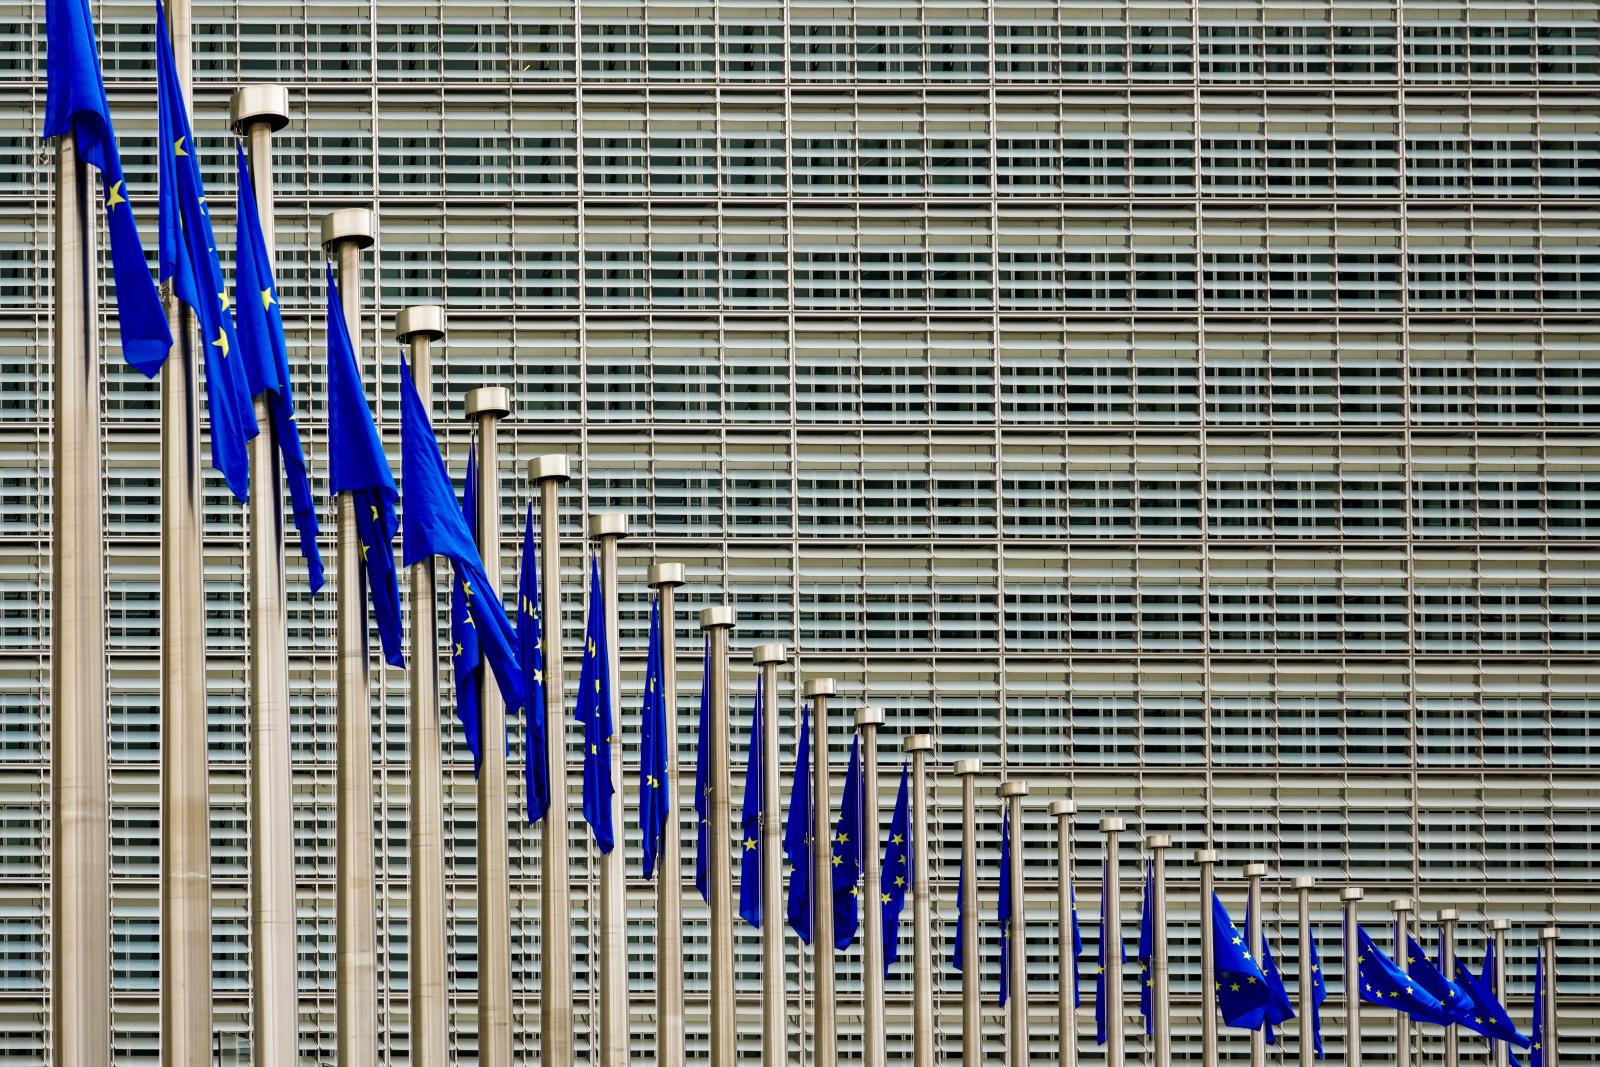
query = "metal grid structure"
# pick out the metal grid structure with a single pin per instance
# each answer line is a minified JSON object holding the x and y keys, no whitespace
{"x":1186,"y":405}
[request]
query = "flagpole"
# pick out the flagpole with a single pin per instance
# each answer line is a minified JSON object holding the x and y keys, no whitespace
{"x":774,"y":1028}
{"x":608,"y":528}
{"x":418,"y":327}
{"x":1206,"y":860}
{"x":555,"y":904}
{"x":1499,"y":1051}
{"x":1011,"y":794}
{"x":918,"y":746}
{"x":344,"y":234}
{"x":1550,"y":1038}
{"x":1402,"y":953}
{"x":1066,"y":987}
{"x":1114,"y":1013}
{"x":868,"y":719}
{"x":717,"y":622}
{"x":824,"y":1010}
{"x":971,"y":1009}
{"x":665,"y":578}
{"x":1447,"y":964}
{"x":1159,"y":976}
{"x":1308,"y":1004}
{"x":1351,"y":897}
{"x":80,"y":932}
{"x":185,"y":932}
{"x":1253,"y":938}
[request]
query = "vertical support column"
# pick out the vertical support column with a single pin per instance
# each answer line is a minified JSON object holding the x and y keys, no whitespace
{"x":418,"y":328}
{"x":1116,"y":1016}
{"x":717,"y":622}
{"x":1066,"y":992}
{"x":549,"y":473}
{"x":607,"y":529}
{"x":1351,"y":898}
{"x":868,"y":719}
{"x":774,"y":1027}
{"x":1308,"y":1042}
{"x":1253,"y":938}
{"x":1552,"y":1043}
{"x":1448,"y":918}
{"x":1017,"y":1054}
{"x":665,"y":578}
{"x":1499,"y":1051}
{"x":1206,"y":860}
{"x":824,"y":1012}
{"x":80,"y":882}
{"x":344,"y":234}
{"x":1402,"y":953}
{"x":971,"y":1011}
{"x":1160,"y":976}
{"x":918,"y":746}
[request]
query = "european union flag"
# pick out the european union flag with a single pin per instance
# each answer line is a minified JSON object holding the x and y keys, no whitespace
{"x":1489,"y":1016}
{"x":530,"y":653}
{"x":189,"y":262}
{"x":1278,"y":1009}
{"x":1241,"y":987}
{"x":961,"y":923}
{"x":896,"y":874}
{"x":75,"y":103}
{"x":702,"y":781}
{"x":594,"y":712}
{"x":1006,"y":906}
{"x":750,"y":824}
{"x":655,"y":791}
{"x":266,"y":366}
{"x":1100,"y":975}
{"x":1319,"y":993}
{"x":1077,"y":941}
{"x":357,"y":465}
{"x":467,"y":657}
{"x":847,"y":855}
{"x":1457,"y":1002}
{"x":1147,"y":945}
{"x":797,"y":830}
{"x":1384,"y":983}
{"x":1536,"y":1051}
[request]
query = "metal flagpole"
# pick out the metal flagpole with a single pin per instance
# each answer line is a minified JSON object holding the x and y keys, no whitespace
{"x":1159,"y":976}
{"x":918,"y":746}
{"x":665,"y":579}
{"x":1066,"y":992}
{"x":1017,"y":1051}
{"x":1253,"y":938}
{"x":971,"y":1011}
{"x":824,"y":1009}
{"x":774,"y":1027}
{"x":717,"y":622}
{"x":1447,"y":964}
{"x":1206,"y":860}
{"x":487,"y":406}
{"x":418,"y":327}
{"x":1499,"y":1051}
{"x":80,"y":932}
{"x":868,"y":719}
{"x":1351,"y":897}
{"x":256,"y":112}
{"x":1308,"y":1041}
{"x":185,"y":979}
{"x":1550,"y":1038}
{"x":1115,"y":1021}
{"x":1402,"y":957}
{"x":344,"y":234}
{"x":555,"y":905}
{"x":607,"y":529}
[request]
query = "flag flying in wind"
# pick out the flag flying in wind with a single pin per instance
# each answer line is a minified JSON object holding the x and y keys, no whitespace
{"x":1489,"y":1016}
{"x":358,"y":466}
{"x":702,"y":781}
{"x":1457,"y":1002}
{"x":1384,"y":983}
{"x":266,"y":365}
{"x":530,"y":653}
{"x":847,"y":855}
{"x":1278,"y":1009}
{"x":467,"y":656}
{"x":1241,"y":987}
{"x":750,"y":824}
{"x":189,"y":262}
{"x":75,"y":103}
{"x":1319,"y":993}
{"x":1006,"y":906}
{"x":797,"y":830}
{"x":594,"y":712}
{"x":896,"y":875}
{"x":655,"y":791}
{"x":1147,"y":945}
{"x":1536,"y":1050}
{"x":1100,"y":975}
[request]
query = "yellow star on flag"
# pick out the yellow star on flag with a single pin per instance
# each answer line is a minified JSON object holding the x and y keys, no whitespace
{"x":116,"y":196}
{"x":177,"y":147}
{"x":222,"y":343}
{"x":266,"y":299}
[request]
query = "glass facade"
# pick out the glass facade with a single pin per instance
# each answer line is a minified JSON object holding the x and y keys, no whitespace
{"x":1189,"y":407}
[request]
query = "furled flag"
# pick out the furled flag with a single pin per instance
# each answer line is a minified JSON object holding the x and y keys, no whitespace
{"x":655,"y":791}
{"x":750,"y":824}
{"x":75,"y":103}
{"x":1006,"y":906}
{"x":961,"y":926}
{"x":702,"y":781}
{"x":1319,"y":993}
{"x":1077,"y":941}
{"x":1278,"y":1009}
{"x":1457,"y":1001}
{"x":896,"y":875}
{"x":1100,"y":975}
{"x":847,"y":855}
{"x":466,"y":655}
{"x":1384,"y":983}
{"x":1147,"y":945}
{"x":1536,"y":1050}
{"x":1489,"y":1016}
{"x":189,"y":262}
{"x":594,"y":712}
{"x":266,"y":365}
{"x":530,"y":653}
{"x":1241,"y":987}
{"x":797,"y":829}
{"x":357,"y":465}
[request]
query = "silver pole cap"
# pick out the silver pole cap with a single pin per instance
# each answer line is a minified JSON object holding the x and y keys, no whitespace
{"x":769,"y":653}
{"x":867,"y":715}
{"x":1351,"y":893}
{"x":1205,"y":855}
{"x":1063,"y":808}
{"x":1549,"y":933}
{"x":556,"y":468}
{"x":919,"y":743}
{"x":1158,"y":841}
{"x":348,"y":224}
{"x":1016,"y":787}
{"x":720,"y":615}
{"x":969,"y":766}
{"x":424,"y":321}
{"x":1400,"y":904}
{"x":1113,"y":824}
{"x":1499,"y":924}
{"x":492,"y":401}
{"x":665,"y":574}
{"x":1255,"y":870}
{"x":819,"y":687}
{"x":1304,"y":882}
{"x":608,"y":524}
{"x":251,"y":104}
{"x":1448,"y":915}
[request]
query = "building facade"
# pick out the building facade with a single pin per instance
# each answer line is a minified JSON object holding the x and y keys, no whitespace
{"x":1188,"y":407}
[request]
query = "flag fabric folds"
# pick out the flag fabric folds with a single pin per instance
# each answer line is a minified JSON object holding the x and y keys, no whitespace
{"x":1100,"y":990}
{"x":961,"y":926}
{"x":1241,"y":988}
{"x":1077,"y":942}
{"x":1384,"y":983}
{"x":75,"y":103}
{"x":655,"y":791}
{"x":1278,"y":1009}
{"x":750,"y":824}
{"x":1006,"y":906}
{"x":1536,"y":1049}
{"x":1147,"y":946}
{"x":357,"y":465}
{"x":896,"y":875}
{"x":798,"y":827}
{"x":594,"y":712}
{"x":1489,"y":1016}
{"x":702,"y":781}
{"x":530,"y":653}
{"x":266,"y":364}
{"x":846,"y":858}
{"x":1457,"y":1002}
{"x":1319,"y":993}
{"x":467,"y":656}
{"x":189,"y":262}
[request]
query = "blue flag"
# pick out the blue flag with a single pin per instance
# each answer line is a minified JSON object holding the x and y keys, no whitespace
{"x":1100,"y":974}
{"x":1457,"y":1002}
{"x":1241,"y":987}
{"x":1489,"y":1016}
{"x":1319,"y":993}
{"x":798,"y":827}
{"x":1278,"y":1009}
{"x":1077,"y":941}
{"x":530,"y":653}
{"x":358,"y":466}
{"x":1147,"y":944}
{"x":266,"y":365}
{"x":1384,"y":983}
{"x":750,"y":824}
{"x":75,"y":102}
{"x":1536,"y":1050}
{"x":702,"y":781}
{"x":594,"y":712}
{"x":189,"y":262}
{"x":896,"y":874}
{"x":961,"y":926}
{"x":1006,"y":907}
{"x":466,"y":655}
{"x":847,"y":855}
{"x":655,"y":790}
